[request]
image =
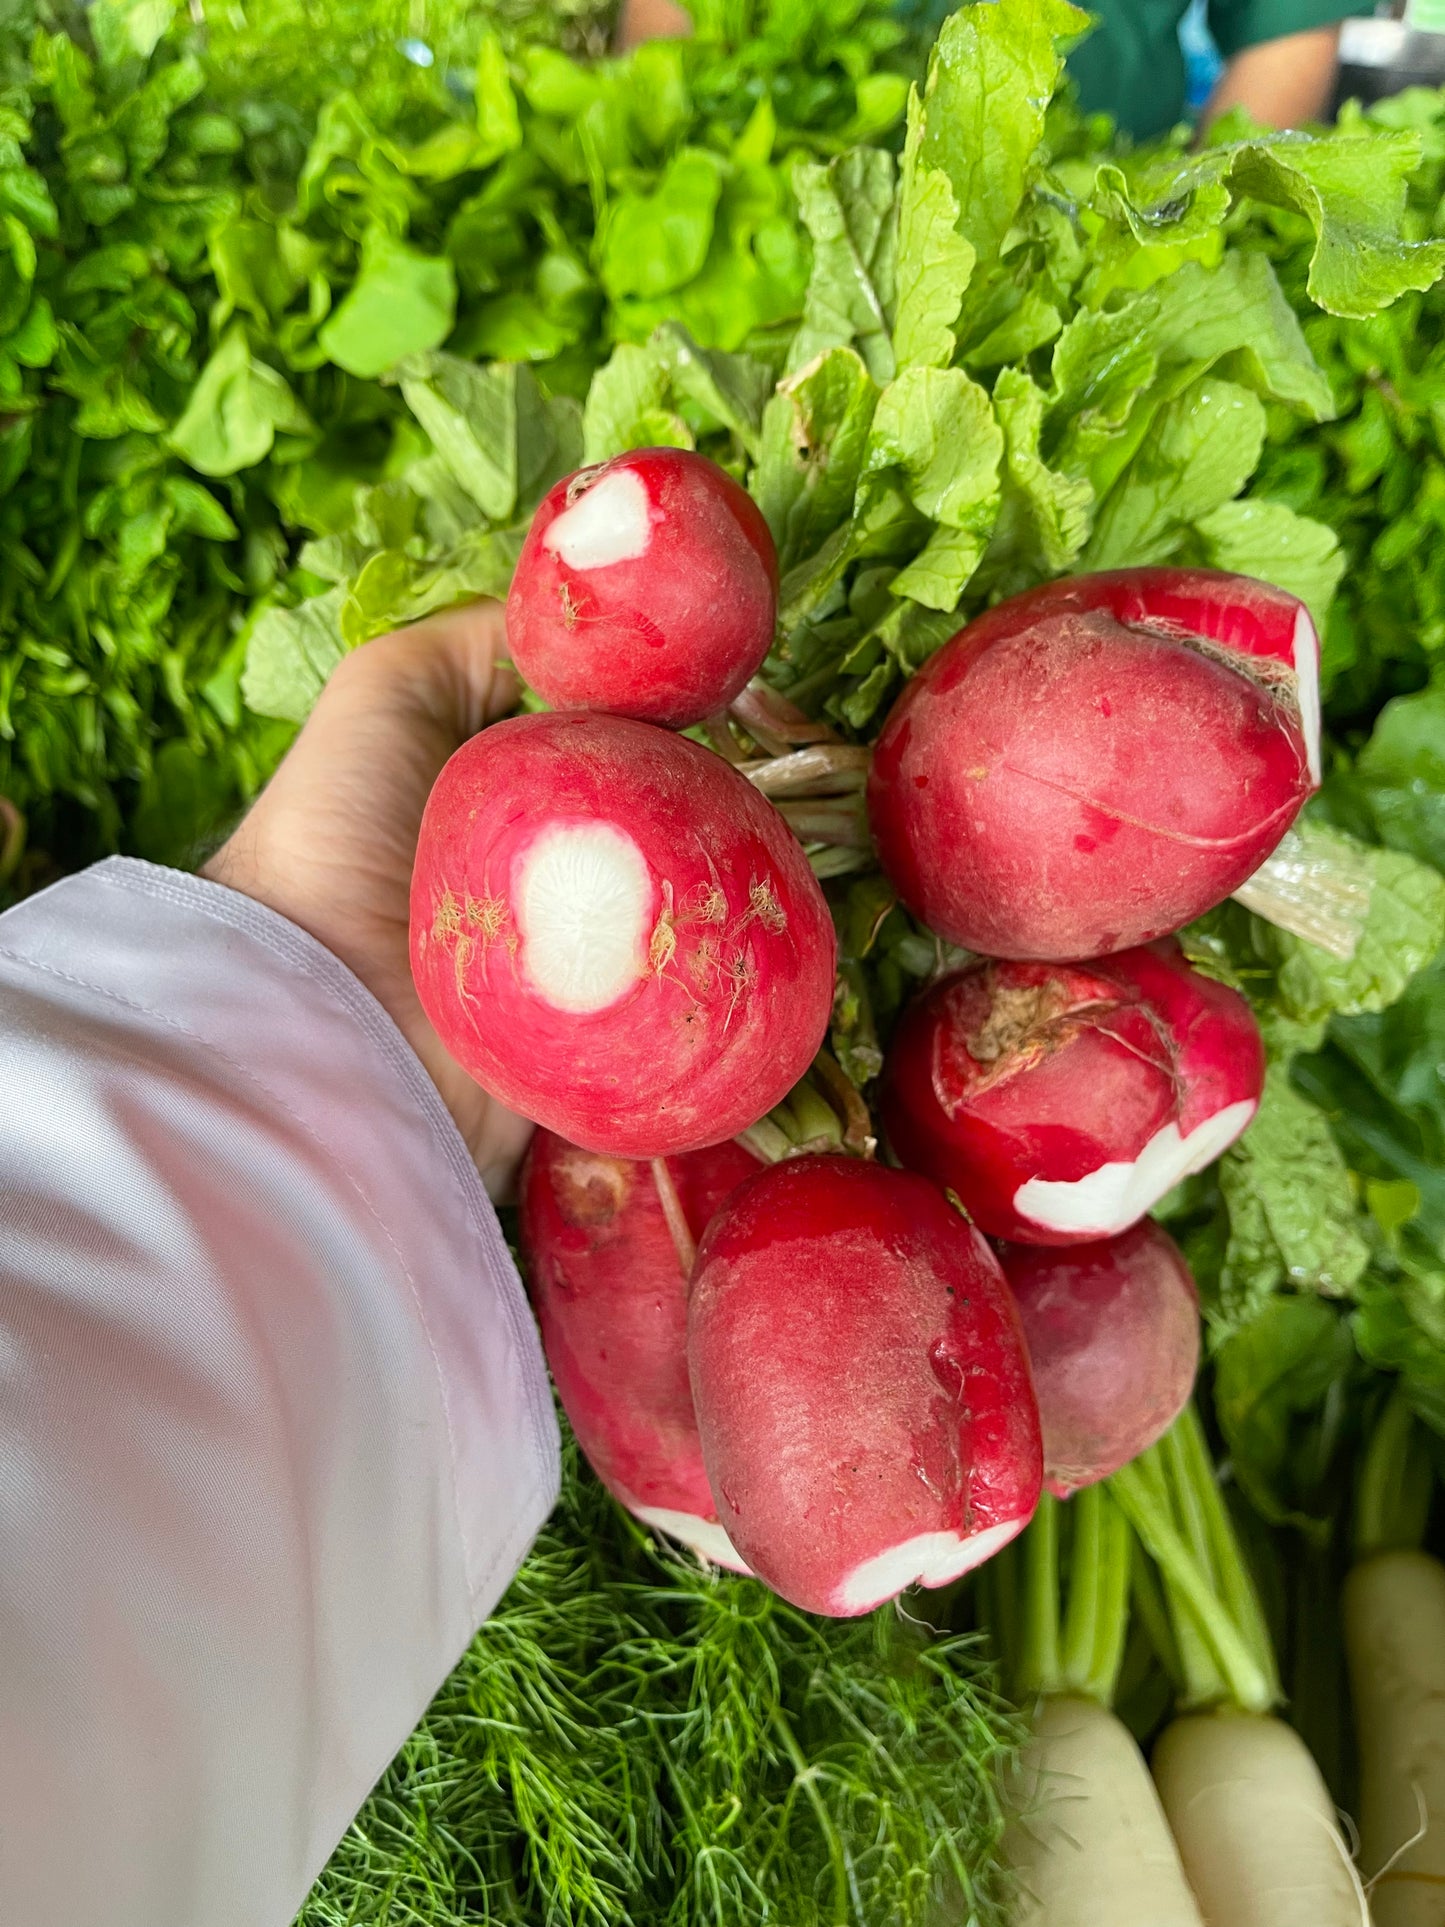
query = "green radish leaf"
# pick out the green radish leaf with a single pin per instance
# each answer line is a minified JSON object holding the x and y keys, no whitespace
{"x":1199,"y":452}
{"x":1401,"y":770}
{"x":627,"y":406}
{"x":989,"y":82}
{"x":289,"y":656}
{"x":934,"y":260}
{"x":1269,"y":541}
{"x":651,"y":243}
{"x":1270,"y":1377}
{"x":236,"y":410}
{"x":1045,"y":516}
{"x":1290,"y":1206}
{"x":814,"y":440}
{"x":848,"y":208}
{"x":401,"y":304}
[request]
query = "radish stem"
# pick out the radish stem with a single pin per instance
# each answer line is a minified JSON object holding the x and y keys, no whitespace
{"x":1393,"y":1497}
{"x":682,"y":1238}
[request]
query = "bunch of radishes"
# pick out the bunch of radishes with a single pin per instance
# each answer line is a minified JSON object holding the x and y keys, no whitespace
{"x":818,"y":1370}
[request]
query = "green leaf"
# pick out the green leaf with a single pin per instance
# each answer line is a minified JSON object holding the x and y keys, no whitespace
{"x":1046,"y":516}
{"x":938,"y":429}
{"x":290,"y":654}
{"x":1268,"y":1375}
{"x":848,"y":208}
{"x":1400,"y":1327}
{"x":1234,"y":318}
{"x":1404,"y":929}
{"x":498,"y":121}
{"x":1291,"y":1209}
{"x":627,"y":406}
{"x":732,"y":389}
{"x":934,"y":259}
{"x":814,"y":439}
{"x":470,"y":414}
{"x":1200,"y":450}
{"x":989,"y":81}
{"x":394,"y":588}
{"x":1269,"y":541}
{"x":402,"y":303}
{"x":651,"y":243}
{"x":1402,"y":771}
{"x":1352,"y":192}
{"x":236,"y":410}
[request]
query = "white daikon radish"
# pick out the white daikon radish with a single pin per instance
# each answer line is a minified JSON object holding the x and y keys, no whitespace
{"x":1255,"y":1825}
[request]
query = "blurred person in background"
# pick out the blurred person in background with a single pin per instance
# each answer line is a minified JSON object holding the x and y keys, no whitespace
{"x":1277,"y":58}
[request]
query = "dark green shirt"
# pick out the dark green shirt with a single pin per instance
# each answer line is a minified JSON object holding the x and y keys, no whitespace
{"x":1131,"y":65}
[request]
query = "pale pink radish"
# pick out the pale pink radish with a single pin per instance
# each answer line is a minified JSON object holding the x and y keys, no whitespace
{"x":1095,"y":763}
{"x":610,"y":1294}
{"x":1113,"y":1337}
{"x":861,"y":1385}
{"x":647,"y":586}
{"x":616,"y":935}
{"x":1059,"y":1102}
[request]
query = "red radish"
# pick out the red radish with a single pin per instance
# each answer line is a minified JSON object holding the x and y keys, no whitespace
{"x":1059,"y":1102}
{"x":616,"y":935}
{"x":861,"y":1384}
{"x":1092,"y":764}
{"x":1113,"y":1337}
{"x":647,"y":586}
{"x":611,"y":1298}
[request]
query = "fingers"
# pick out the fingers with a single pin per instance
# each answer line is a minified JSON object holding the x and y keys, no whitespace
{"x":449,"y":669}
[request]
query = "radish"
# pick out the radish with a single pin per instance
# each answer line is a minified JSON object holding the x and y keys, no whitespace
{"x":1255,"y":1825}
{"x":1087,"y":1840}
{"x":616,"y":935}
{"x":1092,"y":764}
{"x":1113,"y":1338}
{"x":1394,"y":1610}
{"x":1059,"y":1102}
{"x":611,"y":1299}
{"x":861,"y":1385}
{"x":1395,"y":1638}
{"x":647,"y":586}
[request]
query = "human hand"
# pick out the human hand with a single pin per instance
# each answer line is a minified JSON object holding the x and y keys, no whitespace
{"x":330,"y":841}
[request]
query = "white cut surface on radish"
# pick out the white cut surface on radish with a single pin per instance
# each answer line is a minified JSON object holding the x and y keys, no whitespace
{"x":703,"y":1535}
{"x":583,"y":900}
{"x":1307,"y":680}
{"x":610,"y":522}
{"x":1115,"y":1196}
{"x":931,"y":1559}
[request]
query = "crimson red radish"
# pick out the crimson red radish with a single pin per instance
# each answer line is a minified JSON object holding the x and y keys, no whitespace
{"x":611,"y":1299}
{"x":647,"y":586}
{"x":1113,"y":1337}
{"x":1059,"y":1102}
{"x":616,"y":935}
{"x":1092,"y":764}
{"x":861,"y":1384}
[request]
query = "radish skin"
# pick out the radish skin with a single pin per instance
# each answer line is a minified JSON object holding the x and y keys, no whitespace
{"x":616,"y":935}
{"x":610,"y":1295}
{"x":1113,"y":1338}
{"x":1095,"y":763}
{"x":1059,"y":1102}
{"x":861,"y":1385}
{"x":1255,"y":1825}
{"x":1395,"y":1638}
{"x":1087,"y":1840}
{"x":647,"y":586}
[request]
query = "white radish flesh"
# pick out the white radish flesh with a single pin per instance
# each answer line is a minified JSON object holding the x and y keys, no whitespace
{"x":1255,"y":1825}
{"x":1088,"y":1844}
{"x":1395,"y":1639}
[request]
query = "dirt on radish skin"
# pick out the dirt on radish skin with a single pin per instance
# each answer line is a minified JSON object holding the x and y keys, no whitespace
{"x":1087,"y":1840}
{"x":1095,"y":763}
{"x":610,"y":1295}
{"x":861,"y":1384}
{"x":1255,"y":1825}
{"x":616,"y":935}
{"x":1113,"y":1338}
{"x":647,"y":587}
{"x":1059,"y":1102}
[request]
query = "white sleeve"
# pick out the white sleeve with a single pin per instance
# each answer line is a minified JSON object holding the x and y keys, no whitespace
{"x":274,"y":1424}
